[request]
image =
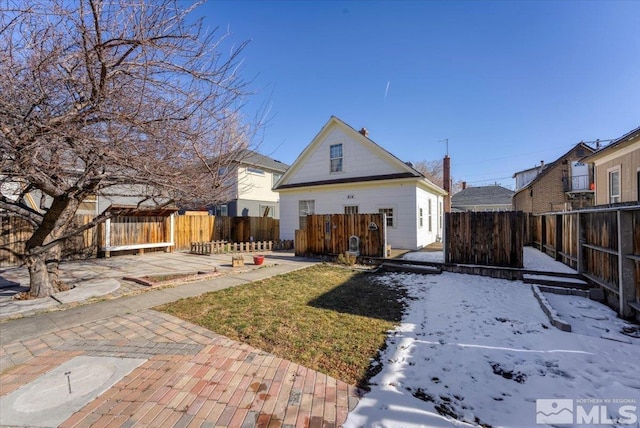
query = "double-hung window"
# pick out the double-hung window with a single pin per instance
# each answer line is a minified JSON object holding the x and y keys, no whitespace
{"x":351,"y":209}
{"x":335,"y":157}
{"x":614,"y":186}
{"x":389,"y":213}
{"x":305,"y":208}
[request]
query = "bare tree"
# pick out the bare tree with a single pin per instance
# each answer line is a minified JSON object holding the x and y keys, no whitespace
{"x":433,"y":171}
{"x":100,"y":94}
{"x":430,"y":169}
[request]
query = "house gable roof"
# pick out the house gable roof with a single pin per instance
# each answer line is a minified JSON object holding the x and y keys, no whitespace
{"x":401,"y":169}
{"x":482,"y":195}
{"x":619,"y":143}
{"x":552,"y":165}
{"x":252,"y":158}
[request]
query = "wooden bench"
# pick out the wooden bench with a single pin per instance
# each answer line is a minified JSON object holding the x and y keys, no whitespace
{"x":140,"y":247}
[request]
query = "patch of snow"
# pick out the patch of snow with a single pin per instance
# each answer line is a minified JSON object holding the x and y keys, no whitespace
{"x":533,"y":260}
{"x":537,"y":260}
{"x":476,"y":350}
{"x":425,"y":256}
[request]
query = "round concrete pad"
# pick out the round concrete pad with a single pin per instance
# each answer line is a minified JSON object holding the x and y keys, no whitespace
{"x":46,"y":402}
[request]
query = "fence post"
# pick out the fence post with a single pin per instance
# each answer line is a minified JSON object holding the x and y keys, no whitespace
{"x":626,"y":266}
{"x":559,"y":248}
{"x":580,"y":240}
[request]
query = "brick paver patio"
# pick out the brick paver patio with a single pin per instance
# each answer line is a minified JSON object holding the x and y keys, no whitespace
{"x":192,"y":377}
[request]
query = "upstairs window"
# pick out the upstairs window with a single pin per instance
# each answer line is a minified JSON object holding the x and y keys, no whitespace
{"x":614,"y":186}
{"x":256,"y":171}
{"x":335,"y":157}
{"x":274,"y":179}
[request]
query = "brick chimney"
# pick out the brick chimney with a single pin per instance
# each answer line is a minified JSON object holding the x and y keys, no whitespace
{"x":446,"y":182}
{"x":464,"y":185}
{"x":364,"y":132}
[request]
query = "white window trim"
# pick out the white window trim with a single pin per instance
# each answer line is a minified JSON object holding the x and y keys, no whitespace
{"x":420,"y":217}
{"x":341,"y":158}
{"x":255,"y":171}
{"x":616,"y":168}
{"x":394,"y":224}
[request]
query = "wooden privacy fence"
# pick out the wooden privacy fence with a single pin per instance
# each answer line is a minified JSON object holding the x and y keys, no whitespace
{"x":245,"y":229}
{"x":15,"y":232}
{"x":142,"y":233}
{"x":485,"y":238}
{"x":329,"y":234}
{"x":603,"y":244}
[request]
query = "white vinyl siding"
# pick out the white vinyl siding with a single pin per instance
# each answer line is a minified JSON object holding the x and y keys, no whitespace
{"x":362,"y":162}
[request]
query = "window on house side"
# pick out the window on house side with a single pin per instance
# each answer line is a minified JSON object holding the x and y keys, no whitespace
{"x":256,"y":171}
{"x":274,"y":178}
{"x":430,"y":215}
{"x":267,"y":210}
{"x":420,"y":219}
{"x":351,"y":209}
{"x":305,"y":208}
{"x":389,"y":213}
{"x":614,"y":186}
{"x":335,"y":156}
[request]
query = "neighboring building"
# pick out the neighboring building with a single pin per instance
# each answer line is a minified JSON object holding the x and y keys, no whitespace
{"x":617,"y":170}
{"x":342,"y":171}
{"x":250,"y":191}
{"x":562,"y":185}
{"x":526,"y":176}
{"x":482,"y":198}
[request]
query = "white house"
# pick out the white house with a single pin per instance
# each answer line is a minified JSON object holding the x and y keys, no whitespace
{"x":343,"y":171}
{"x":252,"y":177}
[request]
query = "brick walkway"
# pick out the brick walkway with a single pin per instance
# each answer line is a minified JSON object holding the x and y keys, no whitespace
{"x":192,"y":377}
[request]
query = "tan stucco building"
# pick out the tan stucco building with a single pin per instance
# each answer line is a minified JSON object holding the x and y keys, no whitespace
{"x":617,"y":170}
{"x":563,"y":185}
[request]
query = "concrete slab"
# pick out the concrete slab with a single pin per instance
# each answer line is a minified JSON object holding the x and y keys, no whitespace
{"x":53,"y":397}
{"x":88,"y":290}
{"x":9,"y":307}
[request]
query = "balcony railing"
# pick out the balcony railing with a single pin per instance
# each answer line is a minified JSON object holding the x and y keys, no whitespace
{"x":577,"y":183}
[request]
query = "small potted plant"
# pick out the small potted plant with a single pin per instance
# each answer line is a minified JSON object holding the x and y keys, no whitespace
{"x":258,"y":260}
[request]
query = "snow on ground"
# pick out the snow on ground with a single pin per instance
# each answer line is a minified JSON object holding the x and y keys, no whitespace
{"x":475,"y":350}
{"x":533,"y":260}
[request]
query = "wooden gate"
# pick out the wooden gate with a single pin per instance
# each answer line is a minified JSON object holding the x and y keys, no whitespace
{"x":328,"y":234}
{"x":485,"y":238}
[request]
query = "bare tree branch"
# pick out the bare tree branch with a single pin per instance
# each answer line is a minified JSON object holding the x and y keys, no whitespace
{"x":100,"y":94}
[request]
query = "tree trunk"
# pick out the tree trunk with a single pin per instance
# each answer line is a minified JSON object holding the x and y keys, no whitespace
{"x":39,"y":279}
{"x":43,"y":262}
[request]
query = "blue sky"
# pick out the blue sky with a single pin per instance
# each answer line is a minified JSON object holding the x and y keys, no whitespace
{"x":508,"y":83}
